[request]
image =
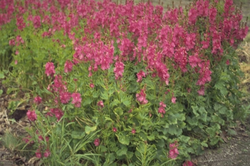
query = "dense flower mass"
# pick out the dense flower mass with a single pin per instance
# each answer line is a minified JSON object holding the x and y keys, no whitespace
{"x":102,"y":59}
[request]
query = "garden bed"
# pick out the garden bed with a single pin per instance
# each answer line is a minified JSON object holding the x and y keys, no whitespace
{"x":128,"y":135}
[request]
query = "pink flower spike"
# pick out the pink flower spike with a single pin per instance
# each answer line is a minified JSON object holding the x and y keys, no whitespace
{"x":76,"y":99}
{"x":162,"y":104}
{"x":37,"y":99}
{"x":188,"y":163}
{"x":118,"y":70}
{"x":68,"y":66}
{"x":38,"y":154}
{"x":97,"y":142}
{"x":201,"y":92}
{"x":141,"y":97}
{"x":133,"y":131}
{"x":49,"y":69}
{"x":46,"y":153}
{"x":140,"y":75}
{"x":173,"y":153}
{"x":31,"y":115}
{"x":173,"y":99}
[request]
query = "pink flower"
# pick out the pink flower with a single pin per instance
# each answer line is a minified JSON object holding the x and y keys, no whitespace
{"x":201,"y":92}
{"x":46,"y":153}
{"x":140,"y":75}
{"x":173,"y":99}
{"x":12,"y":42}
{"x":141,"y":97}
{"x":100,"y":103}
{"x":27,"y":140}
{"x":194,"y":60}
{"x":40,"y":138}
{"x":76,"y":99}
{"x":187,"y":163}
{"x":16,"y":62}
{"x":133,"y":131}
{"x":119,"y":69}
{"x":228,"y":62}
{"x":57,"y":112}
{"x":49,"y":69}
{"x":65,"y":97}
{"x":173,"y":151}
{"x":37,"y":21}
{"x":37,"y":99}
{"x":68,"y":66}
{"x":161,"y":110}
{"x":114,"y":129}
{"x":162,"y":104}
{"x":92,"y":85}
{"x":31,"y":115}
{"x":38,"y":154}
{"x":97,"y":142}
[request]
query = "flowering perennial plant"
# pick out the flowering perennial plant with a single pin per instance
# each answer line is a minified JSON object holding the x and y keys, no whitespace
{"x":120,"y":76}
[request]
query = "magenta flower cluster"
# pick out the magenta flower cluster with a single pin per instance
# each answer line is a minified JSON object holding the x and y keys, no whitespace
{"x":173,"y":151}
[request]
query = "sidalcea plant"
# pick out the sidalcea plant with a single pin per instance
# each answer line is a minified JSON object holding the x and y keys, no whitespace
{"x":122,"y":81}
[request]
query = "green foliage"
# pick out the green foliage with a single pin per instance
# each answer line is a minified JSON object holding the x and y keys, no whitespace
{"x":6,"y":33}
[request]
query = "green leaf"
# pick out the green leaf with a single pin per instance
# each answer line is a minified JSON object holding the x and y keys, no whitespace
{"x":115,"y":103}
{"x":184,"y":138}
{"x":1,"y":75}
{"x":160,"y":143}
{"x":220,"y":108}
{"x":1,"y":92}
{"x":103,"y":148}
{"x":89,"y":129}
{"x":104,"y":95}
{"x":87,"y":101}
{"x":118,"y":111}
{"x":77,"y":134}
{"x":122,"y":151}
{"x":125,"y":99}
{"x":95,"y":94}
{"x":143,"y":136}
{"x":173,"y":130}
{"x":204,"y":144}
{"x":126,"y":103}
{"x":123,"y":138}
{"x":192,"y":121}
{"x":151,"y":137}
